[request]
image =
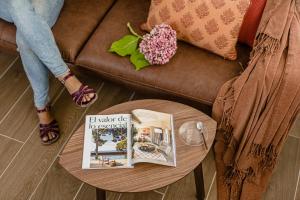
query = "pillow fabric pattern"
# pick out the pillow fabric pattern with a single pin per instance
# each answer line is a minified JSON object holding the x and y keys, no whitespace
{"x":210,"y":24}
{"x":251,"y":22}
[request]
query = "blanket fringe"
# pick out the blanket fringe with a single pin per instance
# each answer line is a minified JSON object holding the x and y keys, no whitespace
{"x":266,"y":155}
{"x":235,"y":176}
{"x":225,"y":125}
{"x":264,"y":44}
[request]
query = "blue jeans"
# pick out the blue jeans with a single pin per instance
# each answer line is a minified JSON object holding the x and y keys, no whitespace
{"x":35,"y":41}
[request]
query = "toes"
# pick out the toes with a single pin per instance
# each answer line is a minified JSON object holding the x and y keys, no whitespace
{"x":45,"y":139}
{"x":87,"y":98}
{"x":92,"y":95}
{"x":50,"y":136}
{"x":53,"y":135}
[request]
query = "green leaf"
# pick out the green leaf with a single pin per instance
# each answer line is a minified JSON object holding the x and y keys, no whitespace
{"x":125,"y":46}
{"x":138,"y":59}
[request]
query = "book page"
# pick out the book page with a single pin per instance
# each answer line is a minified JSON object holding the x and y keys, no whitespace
{"x":153,"y":137}
{"x":107,"y":142}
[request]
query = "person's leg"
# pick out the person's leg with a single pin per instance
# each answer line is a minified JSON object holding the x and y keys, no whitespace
{"x":33,"y":20}
{"x":46,"y":11}
{"x":4,"y":14}
{"x":37,"y":34}
{"x":36,"y":71}
{"x":38,"y":76}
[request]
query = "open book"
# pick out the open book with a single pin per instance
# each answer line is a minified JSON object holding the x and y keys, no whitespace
{"x":121,"y":140}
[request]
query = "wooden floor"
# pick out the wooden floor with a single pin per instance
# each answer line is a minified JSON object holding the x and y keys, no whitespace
{"x":29,"y":170}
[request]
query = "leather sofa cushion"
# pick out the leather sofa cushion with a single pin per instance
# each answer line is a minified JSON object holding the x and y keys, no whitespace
{"x":77,"y":20}
{"x":7,"y":36}
{"x":193,"y":73}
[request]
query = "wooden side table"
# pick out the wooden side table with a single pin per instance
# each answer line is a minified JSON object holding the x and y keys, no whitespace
{"x":144,"y":176}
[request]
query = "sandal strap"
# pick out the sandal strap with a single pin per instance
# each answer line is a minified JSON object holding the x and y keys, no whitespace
{"x":46,"y":109}
{"x":45,"y":133}
{"x":69,"y":75}
{"x":47,"y":128}
{"x":79,"y":94}
{"x":52,"y":123}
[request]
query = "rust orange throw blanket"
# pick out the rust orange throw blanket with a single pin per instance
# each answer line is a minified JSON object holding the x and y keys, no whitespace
{"x":256,"y":110}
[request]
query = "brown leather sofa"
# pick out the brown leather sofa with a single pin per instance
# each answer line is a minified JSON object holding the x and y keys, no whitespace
{"x":86,"y":29}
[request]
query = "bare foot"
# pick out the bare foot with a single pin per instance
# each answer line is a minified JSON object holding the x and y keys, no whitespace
{"x":73,"y":84}
{"x":46,"y":118}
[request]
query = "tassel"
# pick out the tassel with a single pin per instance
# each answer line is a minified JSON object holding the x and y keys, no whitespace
{"x":264,"y":44}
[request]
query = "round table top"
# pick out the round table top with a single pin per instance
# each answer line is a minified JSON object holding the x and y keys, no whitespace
{"x":144,"y":176}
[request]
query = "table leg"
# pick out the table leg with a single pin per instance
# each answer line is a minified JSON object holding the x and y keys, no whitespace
{"x":198,"y":173}
{"x":100,"y":194}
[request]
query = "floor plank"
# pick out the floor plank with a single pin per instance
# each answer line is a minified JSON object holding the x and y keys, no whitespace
{"x":162,"y":190}
{"x":112,"y":196}
{"x":213,"y":191}
{"x":8,"y":149}
{"x":209,"y":170}
{"x":60,"y":185}
{"x":34,"y":159}
{"x":284,"y":179}
{"x":87,"y":192}
{"x":5,"y":62}
{"x":297,"y":195}
{"x":141,"y":196}
{"x":182,"y":189}
{"x":295,"y":130}
{"x":22,"y":119}
{"x":13,"y":84}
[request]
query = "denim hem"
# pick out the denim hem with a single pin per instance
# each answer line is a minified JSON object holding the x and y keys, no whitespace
{"x":63,"y":73}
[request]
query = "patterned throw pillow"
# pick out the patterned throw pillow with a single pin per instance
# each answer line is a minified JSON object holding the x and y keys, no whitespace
{"x":210,"y":24}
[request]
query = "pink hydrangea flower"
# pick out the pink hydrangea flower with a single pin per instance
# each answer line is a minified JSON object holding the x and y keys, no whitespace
{"x":160,"y":45}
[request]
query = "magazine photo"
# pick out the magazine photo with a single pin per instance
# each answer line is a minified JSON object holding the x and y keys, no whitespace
{"x":122,"y":140}
{"x":153,"y":137}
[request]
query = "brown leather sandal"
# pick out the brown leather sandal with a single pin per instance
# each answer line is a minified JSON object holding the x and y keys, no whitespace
{"x":81,"y":92}
{"x":46,"y":129}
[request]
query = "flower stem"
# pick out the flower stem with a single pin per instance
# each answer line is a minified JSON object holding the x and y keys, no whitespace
{"x":132,"y":31}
